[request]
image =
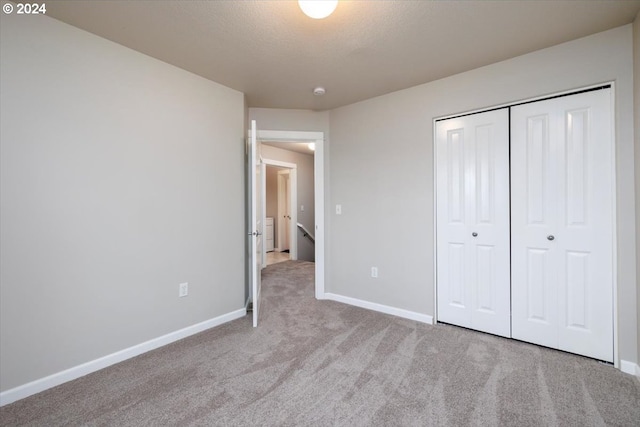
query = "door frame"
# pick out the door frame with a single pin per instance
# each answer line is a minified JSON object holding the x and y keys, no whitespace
{"x":293,"y":201}
{"x":318,"y":194}
{"x":611,"y":84}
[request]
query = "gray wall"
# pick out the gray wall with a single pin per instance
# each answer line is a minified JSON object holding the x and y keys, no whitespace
{"x":305,"y":194}
{"x":381,"y":171}
{"x":285,"y":119}
{"x":121,"y":176}
{"x":636,"y":92}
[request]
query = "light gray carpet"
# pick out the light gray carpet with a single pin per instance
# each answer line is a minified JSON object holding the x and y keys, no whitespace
{"x":322,"y":363}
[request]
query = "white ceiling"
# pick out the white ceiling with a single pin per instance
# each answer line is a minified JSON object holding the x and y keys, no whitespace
{"x":276,"y":55}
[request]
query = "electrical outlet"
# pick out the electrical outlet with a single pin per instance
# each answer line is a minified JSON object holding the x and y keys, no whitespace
{"x":183,"y":289}
{"x":338,"y":209}
{"x":301,"y":208}
{"x":374,"y":272}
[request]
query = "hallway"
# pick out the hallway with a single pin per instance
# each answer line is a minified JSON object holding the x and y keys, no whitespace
{"x":275,"y":257}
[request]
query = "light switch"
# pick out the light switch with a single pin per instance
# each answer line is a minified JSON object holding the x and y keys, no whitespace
{"x":301,"y":208}
{"x":338,"y":209}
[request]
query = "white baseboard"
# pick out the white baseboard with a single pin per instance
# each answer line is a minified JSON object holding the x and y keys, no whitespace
{"x":56,"y":379}
{"x":411,"y":315}
{"x":630,"y":368}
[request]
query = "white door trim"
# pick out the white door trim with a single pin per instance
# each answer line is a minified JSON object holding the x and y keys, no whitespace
{"x":318,"y":163}
{"x":614,"y":213}
{"x":279,"y":164}
{"x":616,"y":357}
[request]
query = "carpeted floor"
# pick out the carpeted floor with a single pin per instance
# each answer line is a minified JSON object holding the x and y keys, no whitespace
{"x":322,"y":363}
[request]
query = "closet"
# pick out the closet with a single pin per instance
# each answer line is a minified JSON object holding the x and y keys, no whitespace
{"x":524,"y":221}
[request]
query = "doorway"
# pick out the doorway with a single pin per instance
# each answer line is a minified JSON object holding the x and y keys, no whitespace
{"x":256,"y":214}
{"x":316,"y":230}
{"x":280,"y":181}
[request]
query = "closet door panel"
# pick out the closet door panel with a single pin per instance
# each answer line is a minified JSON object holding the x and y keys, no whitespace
{"x":453,"y":262}
{"x":574,"y":147}
{"x":473,"y":221}
{"x":455,"y":255}
{"x":533,"y":219}
{"x":490,"y":221}
{"x":586,"y":318}
{"x":535,"y":309}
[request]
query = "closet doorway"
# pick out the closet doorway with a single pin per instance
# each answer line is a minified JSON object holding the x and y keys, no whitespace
{"x":525,"y":222}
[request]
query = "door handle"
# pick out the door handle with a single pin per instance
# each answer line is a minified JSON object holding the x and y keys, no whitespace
{"x":474,"y":234}
{"x":550,"y":237}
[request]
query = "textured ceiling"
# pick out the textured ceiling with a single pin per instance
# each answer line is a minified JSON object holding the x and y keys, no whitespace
{"x":276,"y":55}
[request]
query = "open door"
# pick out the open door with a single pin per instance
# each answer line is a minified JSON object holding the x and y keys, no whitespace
{"x":255,"y":190}
{"x":284,"y":211}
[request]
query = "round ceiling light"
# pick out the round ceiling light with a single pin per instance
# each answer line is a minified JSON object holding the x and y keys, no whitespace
{"x":318,"y":9}
{"x":319,"y":91}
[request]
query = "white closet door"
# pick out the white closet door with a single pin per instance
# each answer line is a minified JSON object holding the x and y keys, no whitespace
{"x":562,"y":224}
{"x":472,"y":161}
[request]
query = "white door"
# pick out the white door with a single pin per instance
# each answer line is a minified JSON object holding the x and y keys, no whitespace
{"x":287,"y":209}
{"x":562,"y":223}
{"x":284,"y":210}
{"x":263,"y":207}
{"x":472,"y":160}
{"x":256,"y":231}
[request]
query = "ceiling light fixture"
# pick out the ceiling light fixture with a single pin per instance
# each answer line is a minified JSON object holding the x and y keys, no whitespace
{"x":312,"y":146}
{"x":319,"y":91}
{"x":318,"y":9}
